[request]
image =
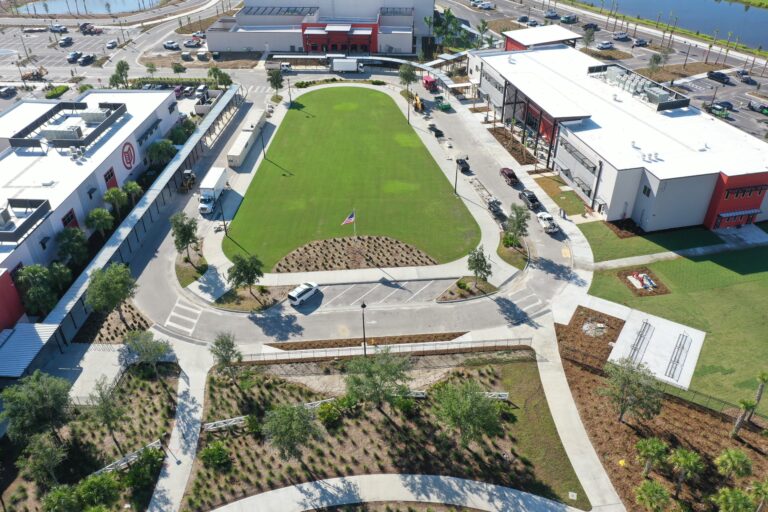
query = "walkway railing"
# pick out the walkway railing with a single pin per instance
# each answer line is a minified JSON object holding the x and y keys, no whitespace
{"x":128,"y":459}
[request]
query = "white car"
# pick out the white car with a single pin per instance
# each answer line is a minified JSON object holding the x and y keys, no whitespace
{"x":112,"y":43}
{"x":547,"y":223}
{"x":171,"y":45}
{"x":486,"y":6}
{"x":301,"y":293}
{"x":605,"y":45}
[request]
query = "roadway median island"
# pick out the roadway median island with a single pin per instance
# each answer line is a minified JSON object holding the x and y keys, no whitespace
{"x":343,"y":150}
{"x":372,"y":341}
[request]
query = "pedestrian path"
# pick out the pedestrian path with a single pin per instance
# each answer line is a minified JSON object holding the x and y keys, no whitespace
{"x":390,"y":488}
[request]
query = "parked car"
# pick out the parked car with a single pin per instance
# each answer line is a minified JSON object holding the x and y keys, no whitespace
{"x":178,"y":90}
{"x":758,"y":107}
{"x":551,"y":14}
{"x":591,"y":26}
{"x":111,"y":44}
{"x":59,"y":29}
{"x":65,"y":41}
{"x":463,"y":166}
{"x":189,"y":91}
{"x":522,"y":19}
{"x":547,"y":223}
{"x":302,"y":293}
{"x":509,"y":176}
{"x":569,"y":19}
{"x":640,"y":42}
{"x":727,"y":105}
{"x":605,"y":45}
{"x":201,"y":91}
{"x":192,"y":43}
{"x":86,"y":59}
{"x":171,"y":45}
{"x":530,"y":199}
{"x":199,"y":34}
{"x":487,"y":6}
{"x":437,"y":131}
{"x":494,"y":206}
{"x":621,"y":36}
{"x":718,"y":76}
{"x":533,"y":23}
{"x":744,"y":77}
{"x":7,"y":92}
{"x":73,"y":56}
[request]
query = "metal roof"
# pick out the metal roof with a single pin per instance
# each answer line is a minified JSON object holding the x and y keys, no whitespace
{"x":19,"y":347}
{"x":547,"y":34}
{"x":338,"y":27}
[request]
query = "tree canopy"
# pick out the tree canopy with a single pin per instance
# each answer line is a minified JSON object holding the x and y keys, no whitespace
{"x":100,"y":219}
{"x":161,"y":152}
{"x":632,"y":389}
{"x":38,"y":403}
{"x":39,"y":286}
{"x":651,"y":452}
{"x":289,"y":428}
{"x":109,"y":287}
{"x":72,"y":246}
{"x":465,"y":408}
{"x":225,"y":352}
{"x":117,"y":198}
{"x":733,"y":462}
{"x":42,"y":456}
{"x":275,"y":78}
{"x":146,"y":349}
{"x":245,"y":271}
{"x":377,"y":378}
{"x":479,"y":264}
{"x":184,"y":231}
{"x":653,"y":496}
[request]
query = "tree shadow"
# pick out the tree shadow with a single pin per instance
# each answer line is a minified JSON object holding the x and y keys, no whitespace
{"x":558,"y":271}
{"x":514,"y":314}
{"x":188,"y":418}
{"x":277,"y":325}
{"x":324,"y":493}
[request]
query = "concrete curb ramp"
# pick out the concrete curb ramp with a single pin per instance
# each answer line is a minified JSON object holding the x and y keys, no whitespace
{"x":388,"y":488}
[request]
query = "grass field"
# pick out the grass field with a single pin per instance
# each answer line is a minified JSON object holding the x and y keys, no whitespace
{"x":346,"y":148}
{"x":568,"y":200}
{"x":725,"y":295}
{"x":606,"y":245}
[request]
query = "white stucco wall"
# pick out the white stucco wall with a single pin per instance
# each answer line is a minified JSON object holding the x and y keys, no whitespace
{"x":674,"y":203}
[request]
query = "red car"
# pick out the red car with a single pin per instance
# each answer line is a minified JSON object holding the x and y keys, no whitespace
{"x":509,"y":176}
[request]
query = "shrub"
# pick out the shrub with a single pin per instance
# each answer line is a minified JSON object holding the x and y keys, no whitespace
{"x":56,"y":92}
{"x":62,"y":498}
{"x":461,"y":285}
{"x":84,"y":87}
{"x":143,"y":473}
{"x":329,"y":415}
{"x":103,"y":489}
{"x":378,"y":82}
{"x":215,"y":455}
{"x":510,"y":240}
{"x":346,"y":403}
{"x":406,"y":405}
{"x":253,"y":425}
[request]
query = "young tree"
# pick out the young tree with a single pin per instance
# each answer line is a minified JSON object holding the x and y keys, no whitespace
{"x":652,"y":496}
{"x":38,"y":403}
{"x":686,"y":465}
{"x":133,"y":190}
{"x":109,"y":287}
{"x":178,"y":68}
{"x":745,"y":406}
{"x":275,"y":78}
{"x":631,"y":389}
{"x":733,"y":462}
{"x":101,"y":220}
{"x":407,"y":74}
{"x":72,"y":246}
{"x":479,"y":264}
{"x":654,"y":64}
{"x":226,"y":353}
{"x":43,"y":455}
{"x":224,"y":79}
{"x":482,"y":29}
{"x":105,"y":409}
{"x":59,"y":277}
{"x":651,"y":452}
{"x":121,"y":69}
{"x":378,"y":378}
{"x":36,"y":291}
{"x":117,"y":198}
{"x":762,"y":380}
{"x":289,"y":428}
{"x":184,"y":231}
{"x":733,"y":500}
{"x":147,"y":349}
{"x":245,"y":271}
{"x":465,"y":408}
{"x":760,"y":494}
{"x":62,"y":498}
{"x":214,"y":73}
{"x":517,"y":224}
{"x":161,"y":152}
{"x":588,"y":38}
{"x":101,"y":489}
{"x":151,"y":68}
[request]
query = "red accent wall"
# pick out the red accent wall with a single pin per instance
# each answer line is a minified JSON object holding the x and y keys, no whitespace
{"x":340,"y":38}
{"x":720,"y":204}
{"x":11,"y":307}
{"x":512,"y":45}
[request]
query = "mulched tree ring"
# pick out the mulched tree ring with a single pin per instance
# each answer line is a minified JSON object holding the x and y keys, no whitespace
{"x":625,"y":228}
{"x":661,"y":288}
{"x":573,"y":335}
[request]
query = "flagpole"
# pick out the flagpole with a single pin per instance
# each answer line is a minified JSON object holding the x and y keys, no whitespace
{"x":354,"y":223}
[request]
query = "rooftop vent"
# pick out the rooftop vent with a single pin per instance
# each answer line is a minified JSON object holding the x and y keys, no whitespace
{"x":71,"y":133}
{"x":95,"y":116}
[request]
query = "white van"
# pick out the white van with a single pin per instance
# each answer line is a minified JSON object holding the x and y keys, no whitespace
{"x":201,"y":91}
{"x":302,"y":293}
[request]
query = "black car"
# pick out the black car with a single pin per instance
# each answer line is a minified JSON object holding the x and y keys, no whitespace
{"x":86,"y":59}
{"x":718,"y":76}
{"x":73,"y":56}
{"x":640,"y":42}
{"x":463,"y":165}
{"x":591,"y":26}
{"x":509,"y":176}
{"x":437,"y":131}
{"x":530,"y":199}
{"x":522,"y":19}
{"x":727,"y":105}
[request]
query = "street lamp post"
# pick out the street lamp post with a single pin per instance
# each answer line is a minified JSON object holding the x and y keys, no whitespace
{"x":290,"y":99}
{"x":362,"y":308}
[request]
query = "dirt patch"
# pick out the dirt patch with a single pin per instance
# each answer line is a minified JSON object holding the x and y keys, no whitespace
{"x":590,"y":332}
{"x":661,"y":288}
{"x":376,"y":340}
{"x":335,"y":385}
{"x":111,"y":329}
{"x":258,"y":299}
{"x":679,"y":424}
{"x":467,"y":288}
{"x":228,"y":60}
{"x":513,"y":146}
{"x":607,"y":54}
{"x":203,"y":24}
{"x":625,"y":228}
{"x":676,"y":71}
{"x":353,"y":252}
{"x":504,"y":25}
{"x":479,"y":110}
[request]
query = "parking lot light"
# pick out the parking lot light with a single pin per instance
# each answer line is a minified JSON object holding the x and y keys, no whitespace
{"x":362,"y":308}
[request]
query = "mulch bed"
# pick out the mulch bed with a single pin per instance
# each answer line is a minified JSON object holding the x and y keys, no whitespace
{"x":376,"y":340}
{"x":661,"y":288}
{"x":517,"y":150}
{"x":625,"y":228}
{"x":679,"y":424}
{"x":353,"y":252}
{"x":263,"y":297}
{"x":590,"y":332}
{"x":110,"y":329}
{"x":479,"y":110}
{"x":470,"y":290}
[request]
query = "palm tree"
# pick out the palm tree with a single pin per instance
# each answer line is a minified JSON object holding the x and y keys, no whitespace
{"x":214,"y":73}
{"x":652,"y":452}
{"x":746,"y":407}
{"x":652,"y":495}
{"x":686,"y":465}
{"x":733,"y":462}
{"x":117,"y":198}
{"x":99,"y":219}
{"x":482,"y":29}
{"x":133,"y":190}
{"x":762,"y":380}
{"x":429,"y":22}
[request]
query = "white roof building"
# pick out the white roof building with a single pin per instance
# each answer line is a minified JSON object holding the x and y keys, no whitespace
{"x":537,"y":36}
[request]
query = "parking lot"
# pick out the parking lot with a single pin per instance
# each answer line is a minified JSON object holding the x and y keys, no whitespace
{"x":383,"y":293}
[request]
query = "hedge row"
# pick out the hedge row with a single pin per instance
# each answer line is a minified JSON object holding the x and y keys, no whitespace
{"x":303,"y":84}
{"x":56,"y":92}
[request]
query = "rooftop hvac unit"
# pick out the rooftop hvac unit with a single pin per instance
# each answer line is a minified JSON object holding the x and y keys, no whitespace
{"x":657,"y":95}
{"x":5,"y":214}
{"x":94,"y":116}
{"x":71,"y":133}
{"x":614,"y":73}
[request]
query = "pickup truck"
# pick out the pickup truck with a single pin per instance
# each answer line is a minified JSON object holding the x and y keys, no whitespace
{"x":463,"y":166}
{"x":547,"y":223}
{"x":530,"y":199}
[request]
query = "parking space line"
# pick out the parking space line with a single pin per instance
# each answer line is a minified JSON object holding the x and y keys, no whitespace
{"x":398,"y":289}
{"x":339,"y":295}
{"x":418,"y":292}
{"x":366,"y":293}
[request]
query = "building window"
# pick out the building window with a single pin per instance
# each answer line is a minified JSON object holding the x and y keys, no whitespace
{"x":110,"y":179}
{"x":646,"y":191}
{"x":69,"y":220}
{"x":44,"y":242}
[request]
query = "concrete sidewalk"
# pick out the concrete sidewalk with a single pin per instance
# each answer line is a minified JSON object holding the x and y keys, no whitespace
{"x":214,"y":283}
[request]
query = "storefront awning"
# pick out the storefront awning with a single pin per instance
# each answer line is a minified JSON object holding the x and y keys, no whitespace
{"x":362,"y":31}
{"x":728,"y":215}
{"x":338,"y":28}
{"x":315,"y":32}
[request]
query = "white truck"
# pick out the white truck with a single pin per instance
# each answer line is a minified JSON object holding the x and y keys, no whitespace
{"x":211,"y":188}
{"x":282,"y":66}
{"x":346,"y":66}
{"x":244,"y":141}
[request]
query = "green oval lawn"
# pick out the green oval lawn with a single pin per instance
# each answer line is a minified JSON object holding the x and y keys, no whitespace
{"x":346,"y":148}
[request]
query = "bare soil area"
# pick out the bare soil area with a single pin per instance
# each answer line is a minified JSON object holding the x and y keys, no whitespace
{"x":334,"y":384}
{"x":676,"y":71}
{"x":467,"y":288}
{"x":607,"y":54}
{"x":517,"y":150}
{"x":258,"y":299}
{"x":373,"y":341}
{"x":479,"y":110}
{"x":590,"y":332}
{"x":661,"y":288}
{"x":625,"y":228}
{"x":111,"y":329}
{"x":353,"y":252}
{"x":228,"y":60}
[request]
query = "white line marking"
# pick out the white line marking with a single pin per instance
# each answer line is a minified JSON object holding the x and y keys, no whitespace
{"x":418,"y":292}
{"x":366,"y":293}
{"x":198,"y":312}
{"x":183,"y":319}
{"x":339,"y":295}
{"x":398,"y":289}
{"x":179,"y":327}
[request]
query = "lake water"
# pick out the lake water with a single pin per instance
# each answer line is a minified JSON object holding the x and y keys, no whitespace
{"x":750,"y":24}
{"x":88,"y":6}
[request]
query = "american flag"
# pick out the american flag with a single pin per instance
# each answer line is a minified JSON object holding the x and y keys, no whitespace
{"x":350,"y":219}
